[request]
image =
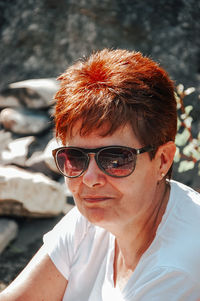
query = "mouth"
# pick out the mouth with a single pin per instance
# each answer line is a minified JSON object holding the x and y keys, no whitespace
{"x":92,"y":199}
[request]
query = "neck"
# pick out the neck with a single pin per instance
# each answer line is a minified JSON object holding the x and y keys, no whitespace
{"x":135,"y":239}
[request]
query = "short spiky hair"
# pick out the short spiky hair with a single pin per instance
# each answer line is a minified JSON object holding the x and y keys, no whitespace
{"x":117,"y":87}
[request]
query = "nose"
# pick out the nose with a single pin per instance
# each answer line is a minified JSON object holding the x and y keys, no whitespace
{"x":93,"y":176}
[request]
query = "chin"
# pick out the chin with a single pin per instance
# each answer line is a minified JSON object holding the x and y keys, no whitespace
{"x":97,"y":216}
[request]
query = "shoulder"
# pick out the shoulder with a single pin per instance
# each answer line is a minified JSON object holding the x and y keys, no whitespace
{"x":186,"y":202}
{"x":169,"y":282}
{"x":178,"y":236}
{"x":185,"y":192}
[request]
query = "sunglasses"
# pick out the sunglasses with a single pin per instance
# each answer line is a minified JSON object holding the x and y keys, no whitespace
{"x":114,"y":161}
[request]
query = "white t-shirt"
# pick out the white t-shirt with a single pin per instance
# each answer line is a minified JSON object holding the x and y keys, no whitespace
{"x":169,"y":270}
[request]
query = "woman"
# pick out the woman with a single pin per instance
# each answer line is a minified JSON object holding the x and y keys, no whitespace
{"x":134,"y":233}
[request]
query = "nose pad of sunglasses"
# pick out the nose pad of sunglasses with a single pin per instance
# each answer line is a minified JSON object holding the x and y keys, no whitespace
{"x":91,"y":160}
{"x":92,"y":169}
{"x":101,"y":164}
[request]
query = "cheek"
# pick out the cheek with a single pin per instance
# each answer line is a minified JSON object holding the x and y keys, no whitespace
{"x":73,"y":185}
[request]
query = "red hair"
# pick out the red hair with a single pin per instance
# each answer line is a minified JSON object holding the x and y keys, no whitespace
{"x":117,"y":87}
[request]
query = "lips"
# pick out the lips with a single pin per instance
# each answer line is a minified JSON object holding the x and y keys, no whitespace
{"x":93,"y":199}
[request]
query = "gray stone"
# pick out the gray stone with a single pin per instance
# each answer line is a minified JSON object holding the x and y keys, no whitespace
{"x":5,"y":139}
{"x":37,"y":163}
{"x":8,"y":232}
{"x":67,"y":192}
{"x":16,"y":151}
{"x":2,"y":286}
{"x":9,"y":101}
{"x":47,"y":154}
{"x":33,"y":93}
{"x":67,"y":208}
{"x":43,"y":161}
{"x":23,"y":193}
{"x":24,"y":121}
{"x":36,"y":93}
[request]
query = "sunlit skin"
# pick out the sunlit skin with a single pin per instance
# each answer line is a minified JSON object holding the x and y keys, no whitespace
{"x":114,"y":203}
{"x":131,"y":208}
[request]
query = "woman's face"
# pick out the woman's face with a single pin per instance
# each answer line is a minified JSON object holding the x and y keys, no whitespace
{"x":107,"y":201}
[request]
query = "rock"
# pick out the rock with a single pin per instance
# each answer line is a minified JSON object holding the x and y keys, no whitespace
{"x":24,"y":121}
{"x":8,"y":231}
{"x":37,"y":163}
{"x":48,"y":157}
{"x":33,"y":93}
{"x":8,"y":101}
{"x":36,"y":93}
{"x":43,"y":160}
{"x":67,"y":208}
{"x":24,"y":247}
{"x":67,"y":192}
{"x":16,"y":151}
{"x":5,"y":139}
{"x":2,"y":286}
{"x":23,"y":193}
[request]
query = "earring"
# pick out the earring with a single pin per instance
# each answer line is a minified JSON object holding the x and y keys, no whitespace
{"x":162,"y":174}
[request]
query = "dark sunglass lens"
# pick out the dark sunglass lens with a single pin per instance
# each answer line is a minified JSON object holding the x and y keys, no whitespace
{"x":117,"y":162}
{"x":71,"y":162}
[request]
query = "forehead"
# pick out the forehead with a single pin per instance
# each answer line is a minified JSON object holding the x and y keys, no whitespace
{"x":124,"y":135}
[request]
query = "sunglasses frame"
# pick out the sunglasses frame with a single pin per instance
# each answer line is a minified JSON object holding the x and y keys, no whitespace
{"x":95,"y":151}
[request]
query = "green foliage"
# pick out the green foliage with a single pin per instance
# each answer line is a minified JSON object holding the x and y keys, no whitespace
{"x":188,"y":147}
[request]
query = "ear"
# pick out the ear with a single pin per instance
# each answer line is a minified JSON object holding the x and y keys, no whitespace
{"x":165,"y":156}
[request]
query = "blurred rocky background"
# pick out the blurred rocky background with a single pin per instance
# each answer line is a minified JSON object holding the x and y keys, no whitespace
{"x":38,"y":40}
